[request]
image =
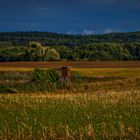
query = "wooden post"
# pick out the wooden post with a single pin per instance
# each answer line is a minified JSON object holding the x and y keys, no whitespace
{"x":65,"y":75}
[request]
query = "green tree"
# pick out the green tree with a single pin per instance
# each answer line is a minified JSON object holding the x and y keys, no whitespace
{"x":36,"y":52}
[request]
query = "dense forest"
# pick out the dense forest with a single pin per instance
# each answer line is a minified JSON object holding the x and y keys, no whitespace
{"x":115,"y":46}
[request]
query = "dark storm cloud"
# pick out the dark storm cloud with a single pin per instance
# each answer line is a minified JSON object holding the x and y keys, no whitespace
{"x":78,"y":16}
{"x":67,"y":3}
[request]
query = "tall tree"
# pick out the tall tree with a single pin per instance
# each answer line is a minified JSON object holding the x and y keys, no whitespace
{"x":36,"y":52}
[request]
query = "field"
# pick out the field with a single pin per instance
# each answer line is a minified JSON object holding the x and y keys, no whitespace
{"x":112,"y":115}
{"x":81,"y":64}
{"x":100,"y":103}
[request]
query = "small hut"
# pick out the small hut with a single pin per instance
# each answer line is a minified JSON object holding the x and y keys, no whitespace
{"x":65,"y":75}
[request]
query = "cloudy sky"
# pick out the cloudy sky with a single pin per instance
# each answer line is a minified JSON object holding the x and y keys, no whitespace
{"x":70,"y":16}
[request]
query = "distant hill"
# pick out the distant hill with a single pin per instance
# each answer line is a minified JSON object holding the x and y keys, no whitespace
{"x":54,"y":39}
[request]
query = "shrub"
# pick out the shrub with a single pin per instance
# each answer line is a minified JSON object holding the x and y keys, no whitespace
{"x":39,"y":75}
{"x":52,"y":76}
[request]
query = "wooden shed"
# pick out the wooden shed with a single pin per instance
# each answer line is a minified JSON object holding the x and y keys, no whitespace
{"x":65,"y":72}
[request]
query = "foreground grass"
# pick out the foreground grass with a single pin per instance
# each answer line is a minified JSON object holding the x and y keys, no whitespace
{"x":112,"y":115}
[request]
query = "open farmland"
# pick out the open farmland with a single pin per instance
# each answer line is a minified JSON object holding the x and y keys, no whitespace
{"x":100,"y":103}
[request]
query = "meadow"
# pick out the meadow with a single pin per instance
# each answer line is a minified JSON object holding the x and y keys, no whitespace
{"x":100,"y":103}
{"x":112,"y":115}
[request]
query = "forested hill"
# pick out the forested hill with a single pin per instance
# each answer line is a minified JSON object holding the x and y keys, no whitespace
{"x":15,"y":46}
{"x":54,"y":39}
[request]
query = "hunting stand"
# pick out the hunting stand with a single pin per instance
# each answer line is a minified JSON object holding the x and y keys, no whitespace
{"x":65,"y":75}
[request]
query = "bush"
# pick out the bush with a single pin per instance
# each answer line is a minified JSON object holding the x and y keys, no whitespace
{"x":41,"y":80}
{"x":52,"y":76}
{"x":39,"y":75}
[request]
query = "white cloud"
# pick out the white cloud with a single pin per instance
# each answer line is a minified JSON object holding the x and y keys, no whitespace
{"x":108,"y":30}
{"x":88,"y":32}
{"x":71,"y":32}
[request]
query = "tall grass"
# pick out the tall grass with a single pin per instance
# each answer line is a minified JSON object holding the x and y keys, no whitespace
{"x":112,"y":115}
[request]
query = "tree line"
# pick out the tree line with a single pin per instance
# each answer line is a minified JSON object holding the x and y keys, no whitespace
{"x":54,"y":39}
{"x":93,"y":52}
{"x":44,"y":46}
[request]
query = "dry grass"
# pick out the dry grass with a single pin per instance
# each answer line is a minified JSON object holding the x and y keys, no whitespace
{"x":19,"y":69}
{"x":112,"y":115}
{"x":115,"y":72}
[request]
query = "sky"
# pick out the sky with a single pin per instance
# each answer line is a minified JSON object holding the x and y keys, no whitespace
{"x":70,"y":16}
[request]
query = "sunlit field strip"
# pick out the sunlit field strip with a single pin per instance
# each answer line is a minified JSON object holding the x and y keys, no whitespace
{"x":20,"y":69}
{"x":124,"y":72}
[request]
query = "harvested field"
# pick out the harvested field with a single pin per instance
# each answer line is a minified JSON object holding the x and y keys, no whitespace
{"x":82,"y":64}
